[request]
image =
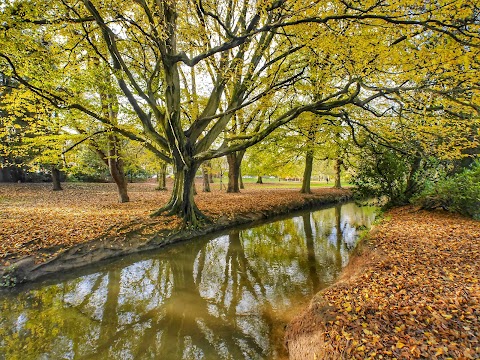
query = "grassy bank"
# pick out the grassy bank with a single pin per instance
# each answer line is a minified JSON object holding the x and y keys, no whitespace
{"x":412,"y":293}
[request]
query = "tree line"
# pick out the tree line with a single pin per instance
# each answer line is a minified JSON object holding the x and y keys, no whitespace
{"x":192,"y":80}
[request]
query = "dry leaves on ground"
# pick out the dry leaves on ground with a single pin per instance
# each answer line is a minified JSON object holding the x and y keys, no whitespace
{"x":37,"y":221}
{"x":420,"y":299}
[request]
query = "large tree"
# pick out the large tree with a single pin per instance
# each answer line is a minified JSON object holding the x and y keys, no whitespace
{"x":250,"y":49}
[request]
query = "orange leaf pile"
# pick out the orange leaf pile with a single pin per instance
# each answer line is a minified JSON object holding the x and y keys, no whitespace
{"x":417,"y":296}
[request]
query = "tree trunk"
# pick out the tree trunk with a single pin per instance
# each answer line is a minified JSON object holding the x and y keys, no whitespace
{"x":412,"y":186}
{"x":56,"y":179}
{"x":259,"y":180}
{"x":162,"y":178}
{"x":182,"y":202}
{"x":206,"y":179}
{"x":112,"y":159}
{"x":338,"y":169}
{"x":240,"y":179}
{"x":307,"y":173}
{"x":115,"y":166}
{"x":232,"y":174}
{"x":234,"y":162}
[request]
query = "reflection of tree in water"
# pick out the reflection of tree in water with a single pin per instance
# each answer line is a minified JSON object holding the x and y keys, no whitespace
{"x":215,"y":299}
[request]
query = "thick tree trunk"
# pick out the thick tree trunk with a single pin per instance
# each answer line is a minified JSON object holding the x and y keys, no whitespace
{"x":232,"y":174}
{"x":338,"y":169}
{"x":307,"y":173}
{"x":206,"y":177}
{"x":115,"y":166}
{"x":259,"y":180}
{"x":56,"y":179}
{"x":234,"y":162}
{"x":182,"y":201}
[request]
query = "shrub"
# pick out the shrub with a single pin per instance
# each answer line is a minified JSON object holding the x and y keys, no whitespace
{"x":458,"y":193}
{"x":384,"y":173}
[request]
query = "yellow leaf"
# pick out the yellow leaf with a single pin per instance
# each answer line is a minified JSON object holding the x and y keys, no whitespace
{"x":400,"y":345}
{"x":367,"y":332}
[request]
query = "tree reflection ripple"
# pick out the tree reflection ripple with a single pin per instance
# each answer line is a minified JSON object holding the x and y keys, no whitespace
{"x":223,"y":298}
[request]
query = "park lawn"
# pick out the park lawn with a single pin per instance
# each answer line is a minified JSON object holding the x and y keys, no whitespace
{"x":40,"y":222}
{"x":273,"y":183}
{"x":412,"y":292}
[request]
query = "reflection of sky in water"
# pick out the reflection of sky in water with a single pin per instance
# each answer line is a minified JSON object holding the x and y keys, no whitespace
{"x":220,"y":298}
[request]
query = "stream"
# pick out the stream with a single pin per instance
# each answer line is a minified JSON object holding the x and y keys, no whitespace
{"x":228,"y":296}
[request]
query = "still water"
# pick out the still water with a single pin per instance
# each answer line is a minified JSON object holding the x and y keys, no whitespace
{"x":227,"y":297}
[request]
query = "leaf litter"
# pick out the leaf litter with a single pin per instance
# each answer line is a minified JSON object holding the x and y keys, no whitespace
{"x":412,"y":293}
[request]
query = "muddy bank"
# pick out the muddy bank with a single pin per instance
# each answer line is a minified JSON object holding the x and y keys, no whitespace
{"x":411,"y":292}
{"x":27,"y":269}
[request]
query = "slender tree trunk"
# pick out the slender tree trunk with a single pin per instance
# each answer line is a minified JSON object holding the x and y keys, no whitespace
{"x":162,"y":178}
{"x":240,"y":179}
{"x":307,"y":173}
{"x":112,"y":159}
{"x":56,"y":179}
{"x":206,"y":180}
{"x":194,"y":186}
{"x":259,"y":180}
{"x":338,"y":169}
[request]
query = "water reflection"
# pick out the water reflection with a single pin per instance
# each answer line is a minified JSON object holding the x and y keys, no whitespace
{"x":212,"y":299}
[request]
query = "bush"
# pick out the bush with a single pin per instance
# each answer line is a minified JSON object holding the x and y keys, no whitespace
{"x":383,"y":173}
{"x":458,"y":193}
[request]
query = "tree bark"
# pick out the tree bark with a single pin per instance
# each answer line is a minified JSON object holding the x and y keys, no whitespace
{"x":307,"y":173}
{"x":338,"y":169}
{"x":115,"y":166}
{"x":259,"y":180}
{"x":240,"y":179}
{"x":232,"y":186}
{"x":182,"y":201}
{"x":162,"y":178}
{"x":234,"y":162}
{"x":56,"y":179}
{"x":206,"y":177}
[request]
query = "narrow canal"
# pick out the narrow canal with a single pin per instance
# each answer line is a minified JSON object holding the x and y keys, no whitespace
{"x":227,"y":297}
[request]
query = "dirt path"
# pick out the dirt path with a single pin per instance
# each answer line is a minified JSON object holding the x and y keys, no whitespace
{"x":412,"y":293}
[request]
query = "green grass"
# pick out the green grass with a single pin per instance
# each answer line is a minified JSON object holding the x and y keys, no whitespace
{"x":275,"y":184}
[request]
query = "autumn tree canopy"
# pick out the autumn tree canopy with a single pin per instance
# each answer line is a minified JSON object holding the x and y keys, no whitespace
{"x":185,"y":72}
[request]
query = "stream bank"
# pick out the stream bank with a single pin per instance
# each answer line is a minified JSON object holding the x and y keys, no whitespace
{"x":411,"y":292}
{"x":106,"y":248}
